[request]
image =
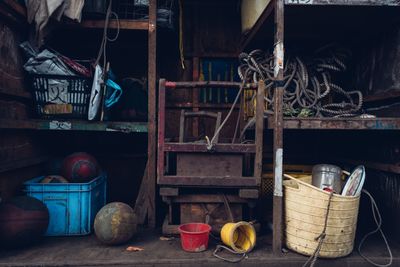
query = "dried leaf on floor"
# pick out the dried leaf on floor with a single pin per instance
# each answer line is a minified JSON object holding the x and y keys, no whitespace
{"x":134,"y":249}
{"x":166,"y":238}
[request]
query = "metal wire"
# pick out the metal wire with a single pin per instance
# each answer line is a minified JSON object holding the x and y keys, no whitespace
{"x":308,"y":86}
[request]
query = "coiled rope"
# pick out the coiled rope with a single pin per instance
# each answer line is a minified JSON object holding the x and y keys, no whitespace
{"x":308,"y":86}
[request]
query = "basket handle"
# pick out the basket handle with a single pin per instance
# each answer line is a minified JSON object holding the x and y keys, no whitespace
{"x":301,"y":184}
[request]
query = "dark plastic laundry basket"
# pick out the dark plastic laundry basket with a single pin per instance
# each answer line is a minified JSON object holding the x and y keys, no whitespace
{"x":72,"y":91}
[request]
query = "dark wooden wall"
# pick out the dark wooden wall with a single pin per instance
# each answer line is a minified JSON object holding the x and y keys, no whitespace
{"x":211,"y":29}
{"x":21,"y":154}
{"x":25,"y":154}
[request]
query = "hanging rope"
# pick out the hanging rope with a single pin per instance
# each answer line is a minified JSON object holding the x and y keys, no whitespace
{"x":378,"y":220}
{"x":181,"y":54}
{"x":210,"y":143}
{"x":105,"y":38}
{"x":313,"y":258}
{"x":308,"y":86}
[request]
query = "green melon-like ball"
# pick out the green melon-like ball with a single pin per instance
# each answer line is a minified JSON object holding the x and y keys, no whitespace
{"x":115,"y":223}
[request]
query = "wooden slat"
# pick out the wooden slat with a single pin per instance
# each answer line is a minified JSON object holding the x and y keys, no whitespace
{"x":128,"y":127}
{"x":386,"y":167}
{"x":203,"y":198}
{"x":277,"y":229}
{"x":15,"y":93}
{"x":191,"y":105}
{"x":211,"y":84}
{"x":10,"y":15}
{"x":259,"y":135}
{"x":344,"y":2}
{"x":221,"y":148}
{"x":124,"y":24}
{"x":17,"y":7}
{"x":382,"y":96}
{"x":169,"y":191}
{"x":208,"y":181}
{"x":152,"y":132}
{"x":22,"y":163}
{"x":339,"y":123}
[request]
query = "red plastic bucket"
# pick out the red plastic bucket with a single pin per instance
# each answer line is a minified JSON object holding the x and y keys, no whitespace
{"x":194,"y":236}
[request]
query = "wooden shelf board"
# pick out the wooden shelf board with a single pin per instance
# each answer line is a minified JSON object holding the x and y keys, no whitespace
{"x":124,"y":24}
{"x":22,"y":163}
{"x":339,"y":123}
{"x":17,"y":7}
{"x":344,"y":2}
{"x":382,"y":96}
{"x":75,"y":125}
{"x":15,"y":93}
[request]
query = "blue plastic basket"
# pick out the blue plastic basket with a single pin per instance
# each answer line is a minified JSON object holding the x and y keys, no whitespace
{"x":72,"y":206}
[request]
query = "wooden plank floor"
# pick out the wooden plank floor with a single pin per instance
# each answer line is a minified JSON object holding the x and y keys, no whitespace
{"x":86,"y":251}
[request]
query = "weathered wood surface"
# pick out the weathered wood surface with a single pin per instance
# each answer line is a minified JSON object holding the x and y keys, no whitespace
{"x":249,"y":193}
{"x":197,"y":212}
{"x":87,"y":251}
{"x":169,"y":191}
{"x":218,"y":148}
{"x":207,"y":181}
{"x":16,"y":93}
{"x":123,"y":24}
{"x":259,"y":135}
{"x":339,"y":123}
{"x":277,"y":228}
{"x":201,"y":164}
{"x":212,"y":84}
{"x":386,"y":167}
{"x":16,"y":7}
{"x":207,"y":198}
{"x":344,"y":2}
{"x":146,"y":202}
{"x":14,"y":14}
{"x":73,"y":125}
{"x":11,"y":72}
{"x":382,"y":96}
{"x":21,"y":163}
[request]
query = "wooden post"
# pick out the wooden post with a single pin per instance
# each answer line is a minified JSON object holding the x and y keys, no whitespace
{"x":195,"y":95}
{"x":278,"y":128}
{"x":259,"y":131}
{"x":151,"y":145}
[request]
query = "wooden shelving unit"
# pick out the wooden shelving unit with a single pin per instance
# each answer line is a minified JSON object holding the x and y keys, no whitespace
{"x":75,"y":125}
{"x":274,"y":17}
{"x":145,"y":204}
{"x":124,"y":24}
{"x":338,"y":123}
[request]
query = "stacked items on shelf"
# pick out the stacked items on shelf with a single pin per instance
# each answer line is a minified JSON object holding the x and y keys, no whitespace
{"x":309,"y":84}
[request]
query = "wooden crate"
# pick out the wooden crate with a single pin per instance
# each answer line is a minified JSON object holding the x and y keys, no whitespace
{"x":206,"y":164}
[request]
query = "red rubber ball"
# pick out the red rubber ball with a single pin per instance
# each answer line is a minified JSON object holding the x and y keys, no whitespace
{"x":23,"y":221}
{"x":80,"y":167}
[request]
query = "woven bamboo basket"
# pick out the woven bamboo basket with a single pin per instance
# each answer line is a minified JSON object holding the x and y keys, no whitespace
{"x":305,"y":208}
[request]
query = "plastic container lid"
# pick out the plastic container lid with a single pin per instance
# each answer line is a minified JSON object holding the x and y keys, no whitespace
{"x":355,"y":182}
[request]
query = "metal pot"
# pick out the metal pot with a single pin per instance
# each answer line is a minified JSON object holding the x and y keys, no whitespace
{"x":327,"y":177}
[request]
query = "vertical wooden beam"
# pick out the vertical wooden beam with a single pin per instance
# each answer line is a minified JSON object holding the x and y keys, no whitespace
{"x":161,"y":129}
{"x":151,"y":139}
{"x":259,"y":131}
{"x":278,"y":128}
{"x":195,"y":95}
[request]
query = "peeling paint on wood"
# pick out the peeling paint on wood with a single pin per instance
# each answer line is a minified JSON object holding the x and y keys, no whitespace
{"x":345,"y":2}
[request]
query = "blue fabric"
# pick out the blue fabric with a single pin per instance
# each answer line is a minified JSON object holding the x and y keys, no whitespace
{"x":115,"y":95}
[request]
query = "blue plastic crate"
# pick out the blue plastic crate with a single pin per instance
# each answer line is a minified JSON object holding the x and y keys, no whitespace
{"x":72,"y":206}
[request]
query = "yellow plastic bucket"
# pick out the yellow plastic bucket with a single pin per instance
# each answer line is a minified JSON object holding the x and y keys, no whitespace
{"x":240,"y":236}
